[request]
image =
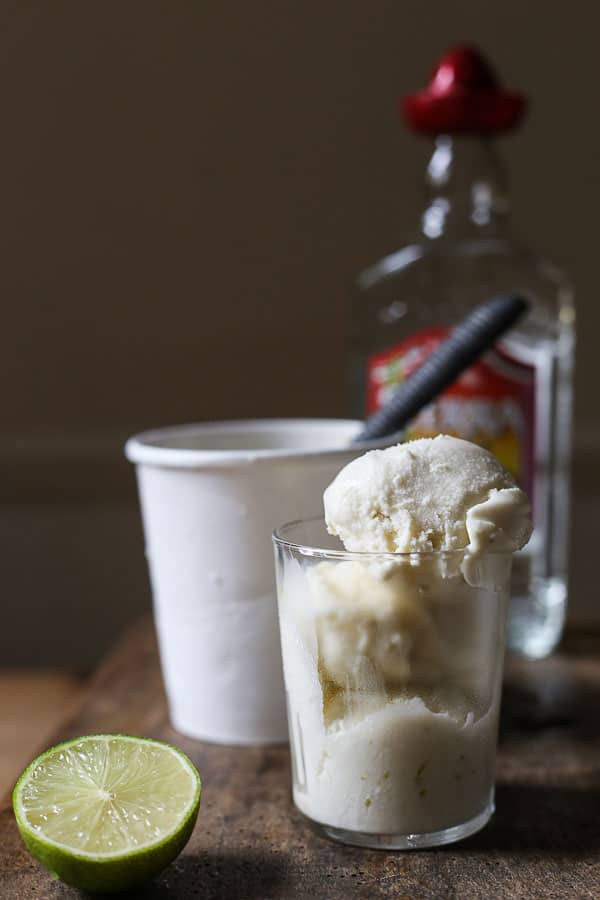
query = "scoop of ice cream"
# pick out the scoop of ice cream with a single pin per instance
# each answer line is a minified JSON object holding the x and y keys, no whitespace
{"x":368,"y":628}
{"x":438,"y":493}
{"x":379,"y":634}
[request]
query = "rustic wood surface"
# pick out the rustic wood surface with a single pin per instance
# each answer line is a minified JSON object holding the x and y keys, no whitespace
{"x":32,"y":704}
{"x":250,"y":844}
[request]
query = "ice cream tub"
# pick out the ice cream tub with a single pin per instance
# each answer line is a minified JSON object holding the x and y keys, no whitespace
{"x":211,"y":495}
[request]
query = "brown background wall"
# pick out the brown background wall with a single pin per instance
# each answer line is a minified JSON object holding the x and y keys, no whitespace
{"x":188,"y":188}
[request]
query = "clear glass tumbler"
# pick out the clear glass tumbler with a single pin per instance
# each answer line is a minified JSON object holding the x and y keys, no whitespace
{"x":393,"y":675}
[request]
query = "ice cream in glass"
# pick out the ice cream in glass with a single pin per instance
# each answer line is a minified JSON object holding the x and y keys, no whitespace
{"x":392,"y":615}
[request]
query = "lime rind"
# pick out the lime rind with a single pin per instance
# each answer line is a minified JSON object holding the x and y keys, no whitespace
{"x":107,"y":872}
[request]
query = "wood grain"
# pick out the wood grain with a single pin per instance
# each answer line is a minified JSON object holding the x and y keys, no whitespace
{"x":32,"y":704}
{"x":250,"y":844}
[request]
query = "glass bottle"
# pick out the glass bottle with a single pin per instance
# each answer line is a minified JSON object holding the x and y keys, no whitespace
{"x":517,"y":400}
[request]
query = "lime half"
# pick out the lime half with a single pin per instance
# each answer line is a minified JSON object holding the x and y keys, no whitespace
{"x":105,"y":812}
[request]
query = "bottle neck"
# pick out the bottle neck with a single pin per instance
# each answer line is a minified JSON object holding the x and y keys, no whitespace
{"x":467,"y":195}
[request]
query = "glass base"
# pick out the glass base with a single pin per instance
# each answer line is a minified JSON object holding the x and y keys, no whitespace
{"x":536,"y":619}
{"x":406,"y":841}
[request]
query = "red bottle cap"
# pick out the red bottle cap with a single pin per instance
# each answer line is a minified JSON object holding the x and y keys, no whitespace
{"x":463,"y":96}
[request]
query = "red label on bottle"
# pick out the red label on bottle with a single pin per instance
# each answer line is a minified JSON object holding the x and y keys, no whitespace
{"x":491,"y":404}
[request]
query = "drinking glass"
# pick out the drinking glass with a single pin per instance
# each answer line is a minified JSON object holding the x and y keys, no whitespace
{"x":393,"y":672}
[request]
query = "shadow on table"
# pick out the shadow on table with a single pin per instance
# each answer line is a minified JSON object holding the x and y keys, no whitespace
{"x":549,"y":696}
{"x":214,"y":876}
{"x":529,"y":818}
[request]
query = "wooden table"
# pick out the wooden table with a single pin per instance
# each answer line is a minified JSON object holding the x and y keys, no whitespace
{"x":250,"y":844}
{"x":32,"y":705}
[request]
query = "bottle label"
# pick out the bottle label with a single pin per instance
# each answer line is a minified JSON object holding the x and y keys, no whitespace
{"x":492,"y":403}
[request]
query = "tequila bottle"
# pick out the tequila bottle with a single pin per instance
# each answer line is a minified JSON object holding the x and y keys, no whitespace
{"x":517,"y":400}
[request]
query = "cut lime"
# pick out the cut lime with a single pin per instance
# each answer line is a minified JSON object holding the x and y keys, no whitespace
{"x":105,"y":812}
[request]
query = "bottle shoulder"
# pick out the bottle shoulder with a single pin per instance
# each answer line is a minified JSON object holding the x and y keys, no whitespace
{"x":435,"y":283}
{"x":467,"y":271}
{"x":420,"y":254}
